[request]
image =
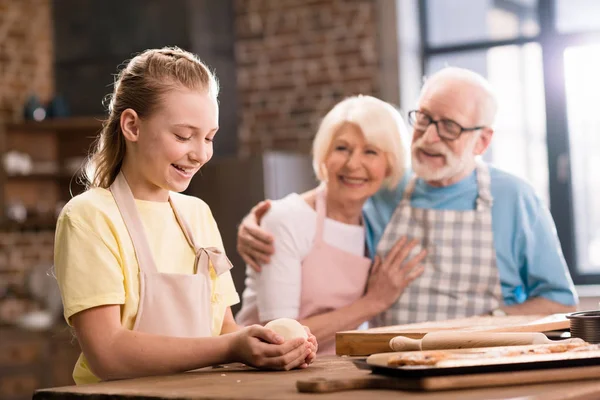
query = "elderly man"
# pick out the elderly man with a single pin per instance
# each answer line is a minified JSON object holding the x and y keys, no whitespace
{"x":491,"y":242}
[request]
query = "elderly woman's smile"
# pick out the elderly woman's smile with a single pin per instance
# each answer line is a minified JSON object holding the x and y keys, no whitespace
{"x":355,"y":168}
{"x":351,"y":181}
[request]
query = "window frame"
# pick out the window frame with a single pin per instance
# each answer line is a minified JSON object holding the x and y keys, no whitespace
{"x":553,"y":45}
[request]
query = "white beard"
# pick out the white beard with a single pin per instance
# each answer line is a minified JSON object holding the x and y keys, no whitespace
{"x":455,"y":164}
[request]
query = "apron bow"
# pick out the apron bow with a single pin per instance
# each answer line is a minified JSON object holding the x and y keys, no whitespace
{"x":217,"y":258}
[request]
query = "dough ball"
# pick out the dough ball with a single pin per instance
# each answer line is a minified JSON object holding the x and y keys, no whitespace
{"x":288,"y":328}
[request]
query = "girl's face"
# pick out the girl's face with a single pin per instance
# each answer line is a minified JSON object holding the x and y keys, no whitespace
{"x":355,"y":168}
{"x":173,"y":143}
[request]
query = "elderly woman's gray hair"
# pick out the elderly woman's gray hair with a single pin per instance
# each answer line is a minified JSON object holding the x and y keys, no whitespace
{"x":380,"y":123}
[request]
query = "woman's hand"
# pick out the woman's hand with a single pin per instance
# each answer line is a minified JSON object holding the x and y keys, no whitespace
{"x":390,"y":277}
{"x":262,"y":348}
{"x":254,"y":244}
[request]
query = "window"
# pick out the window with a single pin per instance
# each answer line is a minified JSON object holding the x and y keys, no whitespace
{"x":543,"y":58}
{"x":582,"y":82}
{"x":519,"y":144}
{"x":464,"y":21}
{"x":577,"y":15}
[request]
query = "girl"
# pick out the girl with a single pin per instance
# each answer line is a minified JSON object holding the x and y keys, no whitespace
{"x":143,"y":277}
{"x":319,"y":271}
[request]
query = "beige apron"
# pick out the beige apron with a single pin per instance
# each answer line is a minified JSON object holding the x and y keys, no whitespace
{"x":171,"y":304}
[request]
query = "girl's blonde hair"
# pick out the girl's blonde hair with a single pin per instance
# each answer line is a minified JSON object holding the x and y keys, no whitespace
{"x":140,"y":86}
{"x":380,"y":123}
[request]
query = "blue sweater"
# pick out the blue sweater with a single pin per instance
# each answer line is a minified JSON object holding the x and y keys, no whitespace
{"x":529,"y":257}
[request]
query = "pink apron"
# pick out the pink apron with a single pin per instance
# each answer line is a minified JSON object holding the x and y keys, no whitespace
{"x":171,"y":304}
{"x":331,"y":277}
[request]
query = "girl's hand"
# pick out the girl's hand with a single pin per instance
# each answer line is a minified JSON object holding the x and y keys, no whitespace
{"x":315,"y":347}
{"x":262,"y":348}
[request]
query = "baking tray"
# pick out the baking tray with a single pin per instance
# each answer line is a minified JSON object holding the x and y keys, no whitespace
{"x":377,"y":363}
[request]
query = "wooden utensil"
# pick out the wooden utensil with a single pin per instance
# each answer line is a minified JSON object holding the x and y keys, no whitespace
{"x":376,"y":340}
{"x":465,"y":340}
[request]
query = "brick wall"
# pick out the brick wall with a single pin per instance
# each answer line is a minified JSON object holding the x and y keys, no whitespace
{"x":295,"y":60}
{"x":26,"y":55}
{"x":26,"y":67}
{"x":22,"y":251}
{"x":23,"y":254}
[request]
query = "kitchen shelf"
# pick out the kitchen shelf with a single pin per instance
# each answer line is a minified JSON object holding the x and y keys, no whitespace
{"x":58,"y":142}
{"x":66,"y":125}
{"x":42,"y":176}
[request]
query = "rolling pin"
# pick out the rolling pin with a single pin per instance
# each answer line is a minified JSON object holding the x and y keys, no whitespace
{"x":466,"y":340}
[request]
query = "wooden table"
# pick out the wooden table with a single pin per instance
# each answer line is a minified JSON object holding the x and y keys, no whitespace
{"x":239,"y":382}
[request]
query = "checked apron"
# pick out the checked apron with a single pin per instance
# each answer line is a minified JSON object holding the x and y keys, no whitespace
{"x":460,"y":278}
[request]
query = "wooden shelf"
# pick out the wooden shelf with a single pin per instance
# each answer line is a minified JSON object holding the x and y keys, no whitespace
{"x":41,"y":176}
{"x":57,"y":141}
{"x":31,"y":224}
{"x":59,"y":124}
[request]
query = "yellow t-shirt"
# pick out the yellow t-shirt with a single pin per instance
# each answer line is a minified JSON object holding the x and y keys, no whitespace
{"x":96,"y":265}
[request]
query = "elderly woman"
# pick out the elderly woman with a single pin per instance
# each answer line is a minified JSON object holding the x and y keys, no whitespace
{"x":320,"y":273}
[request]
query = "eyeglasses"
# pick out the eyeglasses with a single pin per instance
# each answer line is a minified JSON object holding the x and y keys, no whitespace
{"x":446,"y":128}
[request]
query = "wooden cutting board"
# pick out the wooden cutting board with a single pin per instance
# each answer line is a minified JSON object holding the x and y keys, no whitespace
{"x":376,"y":340}
{"x":433,"y":383}
{"x":482,"y":370}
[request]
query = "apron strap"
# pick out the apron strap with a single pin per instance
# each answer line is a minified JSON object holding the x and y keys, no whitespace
{"x":321,"y":208}
{"x":187,"y":232}
{"x":484,"y":193}
{"x":408,"y":191}
{"x":126,"y":205}
{"x":203,"y":255}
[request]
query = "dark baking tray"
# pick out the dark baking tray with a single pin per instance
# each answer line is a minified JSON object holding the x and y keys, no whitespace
{"x":427,"y":371}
